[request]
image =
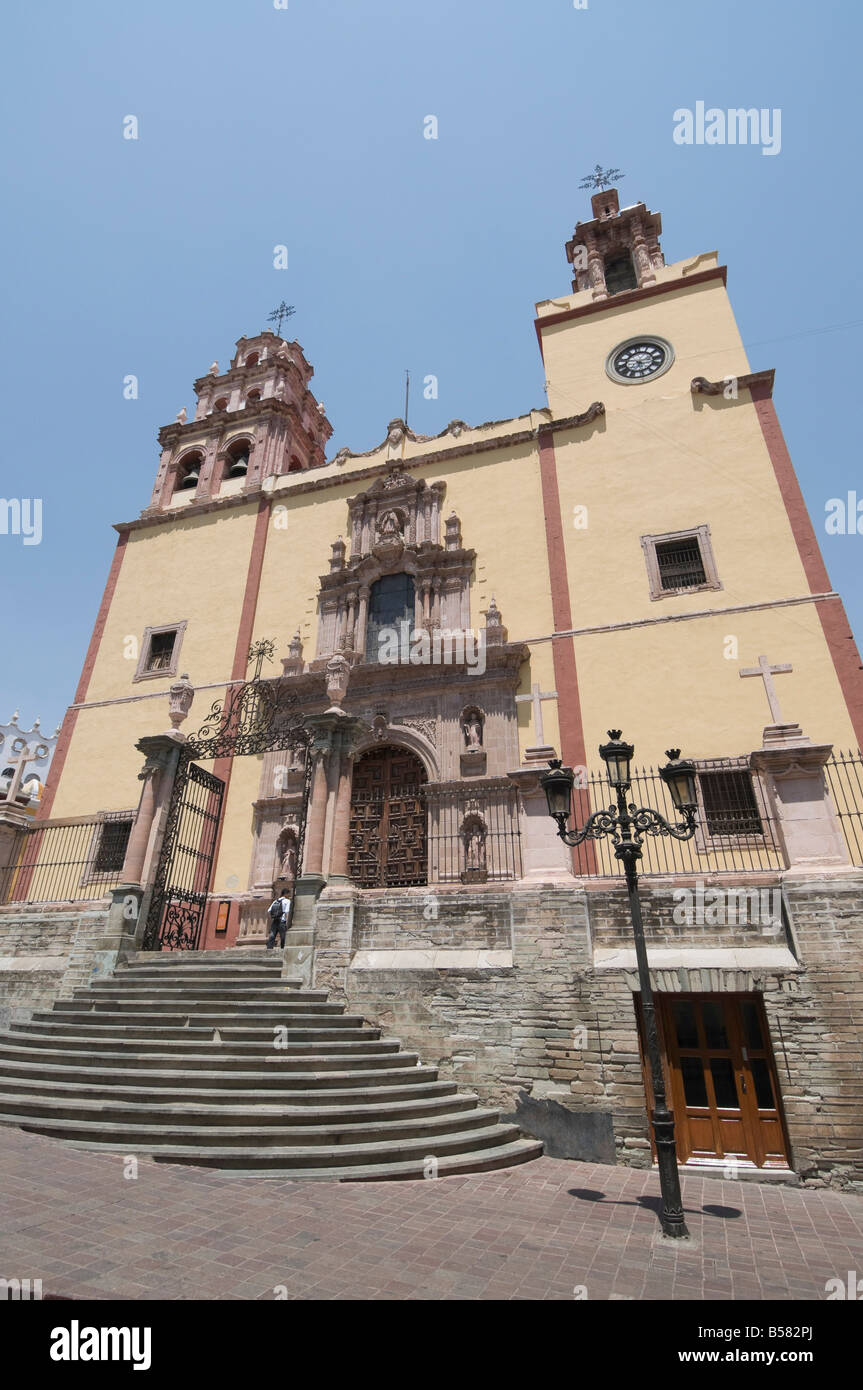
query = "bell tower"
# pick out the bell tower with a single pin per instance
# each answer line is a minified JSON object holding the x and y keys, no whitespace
{"x":617,"y":250}
{"x":255,"y":421}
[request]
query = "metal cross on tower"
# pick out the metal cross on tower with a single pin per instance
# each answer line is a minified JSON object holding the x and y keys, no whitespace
{"x":259,"y":652}
{"x":602,"y":178}
{"x":284,"y":311}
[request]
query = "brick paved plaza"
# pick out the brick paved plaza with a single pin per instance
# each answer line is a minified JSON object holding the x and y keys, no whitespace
{"x":534,"y":1232}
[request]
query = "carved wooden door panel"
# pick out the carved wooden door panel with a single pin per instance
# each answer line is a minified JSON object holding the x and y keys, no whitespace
{"x":388,"y":838}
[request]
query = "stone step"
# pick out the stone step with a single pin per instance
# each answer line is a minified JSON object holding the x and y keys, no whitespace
{"x":204,"y":975}
{"x":174,"y":1056}
{"x":483,"y":1160}
{"x":73,"y":1043}
{"x":142,"y":1138}
{"x":93,"y":1026}
{"x":303,"y":1157}
{"x":204,"y":1044}
{"x":157,"y":1113}
{"x":266,"y":1078}
{"x":284,"y":1008}
{"x":171,"y":989}
{"x":193,"y":1018}
{"x":232,"y":954}
{"x":237,"y":965}
{"x":378,"y":1055}
{"x":326,"y":1098}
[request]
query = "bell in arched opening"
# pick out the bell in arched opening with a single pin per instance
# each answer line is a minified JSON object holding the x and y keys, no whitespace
{"x":239,"y":465}
{"x":190,"y":478}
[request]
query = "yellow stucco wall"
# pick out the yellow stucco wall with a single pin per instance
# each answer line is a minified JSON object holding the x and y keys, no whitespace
{"x":193,"y":568}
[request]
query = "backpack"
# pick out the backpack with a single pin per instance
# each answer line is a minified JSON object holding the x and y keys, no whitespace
{"x":274,"y":912}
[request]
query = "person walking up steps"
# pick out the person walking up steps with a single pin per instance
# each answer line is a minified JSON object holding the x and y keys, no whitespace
{"x":278,"y":915}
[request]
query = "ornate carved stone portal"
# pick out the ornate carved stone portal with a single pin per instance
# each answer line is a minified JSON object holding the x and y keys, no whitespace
{"x":395,"y":527}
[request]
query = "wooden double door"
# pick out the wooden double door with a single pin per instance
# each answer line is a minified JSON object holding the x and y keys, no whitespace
{"x":388,"y":843}
{"x":723,"y":1083}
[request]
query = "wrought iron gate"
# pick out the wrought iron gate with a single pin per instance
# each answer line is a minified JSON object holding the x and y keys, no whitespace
{"x":186,"y":862}
{"x":258,"y":716}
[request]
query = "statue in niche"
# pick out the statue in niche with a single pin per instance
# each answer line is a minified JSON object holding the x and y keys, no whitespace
{"x":472,"y":728}
{"x":473,"y":836}
{"x":389,"y":527}
{"x":286,"y":856}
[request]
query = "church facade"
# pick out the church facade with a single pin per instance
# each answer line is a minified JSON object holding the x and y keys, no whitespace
{"x":348,"y":674}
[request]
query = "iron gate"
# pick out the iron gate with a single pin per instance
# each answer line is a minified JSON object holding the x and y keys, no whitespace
{"x":186,"y":862}
{"x":256,"y":717}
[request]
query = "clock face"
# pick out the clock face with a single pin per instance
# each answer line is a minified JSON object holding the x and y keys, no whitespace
{"x":638,"y":359}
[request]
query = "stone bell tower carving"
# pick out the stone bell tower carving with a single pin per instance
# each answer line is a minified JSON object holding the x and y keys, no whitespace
{"x":254,"y":421}
{"x":617,"y":250}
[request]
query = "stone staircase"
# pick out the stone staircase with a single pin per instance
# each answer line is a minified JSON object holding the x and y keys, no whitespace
{"x":175,"y":1057}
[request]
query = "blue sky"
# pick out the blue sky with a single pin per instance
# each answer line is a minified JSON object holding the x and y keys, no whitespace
{"x":304,"y":126}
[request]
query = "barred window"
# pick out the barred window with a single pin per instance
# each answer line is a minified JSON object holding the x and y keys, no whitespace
{"x":730,"y":807}
{"x":111,"y":850}
{"x":161,"y":651}
{"x":680,"y":564}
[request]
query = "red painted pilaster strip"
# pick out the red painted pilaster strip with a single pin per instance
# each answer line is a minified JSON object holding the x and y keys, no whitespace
{"x":563,"y":650}
{"x":71,"y":718}
{"x":834,"y":621}
{"x":572,"y":745}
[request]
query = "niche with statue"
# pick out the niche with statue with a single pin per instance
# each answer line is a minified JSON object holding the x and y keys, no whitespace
{"x":474,"y":835}
{"x":473,"y":756}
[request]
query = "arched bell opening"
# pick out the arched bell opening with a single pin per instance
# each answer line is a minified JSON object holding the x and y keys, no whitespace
{"x":188,"y":472}
{"x":237,"y":459}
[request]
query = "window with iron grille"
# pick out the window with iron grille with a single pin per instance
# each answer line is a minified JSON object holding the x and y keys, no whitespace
{"x":680,"y":561}
{"x":111,"y":850}
{"x":680,"y":564}
{"x":161,"y":651}
{"x":729,"y":804}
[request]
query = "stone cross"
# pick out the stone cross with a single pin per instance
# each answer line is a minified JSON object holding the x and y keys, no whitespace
{"x":536,"y":697}
{"x":20,"y":763}
{"x":767,"y":672}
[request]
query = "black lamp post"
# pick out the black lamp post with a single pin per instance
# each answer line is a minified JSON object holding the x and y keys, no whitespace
{"x":627,"y":825}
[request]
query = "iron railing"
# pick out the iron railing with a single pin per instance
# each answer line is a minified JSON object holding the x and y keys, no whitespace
{"x":474,"y":832}
{"x":65,"y":860}
{"x":844,"y":776}
{"x":735,"y":831}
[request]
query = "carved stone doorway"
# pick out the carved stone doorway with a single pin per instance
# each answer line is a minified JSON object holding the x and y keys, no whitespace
{"x":388,"y":831}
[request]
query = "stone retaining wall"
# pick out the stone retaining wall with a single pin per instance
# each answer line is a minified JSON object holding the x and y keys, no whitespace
{"x":46,"y":951}
{"x":551,"y":1035}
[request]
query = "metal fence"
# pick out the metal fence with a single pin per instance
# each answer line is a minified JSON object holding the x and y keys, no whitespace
{"x":735,"y":830}
{"x":844,"y":776}
{"x":474,"y":832}
{"x":65,"y":860}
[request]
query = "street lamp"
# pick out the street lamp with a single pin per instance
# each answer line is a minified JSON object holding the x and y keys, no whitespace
{"x":627,"y":825}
